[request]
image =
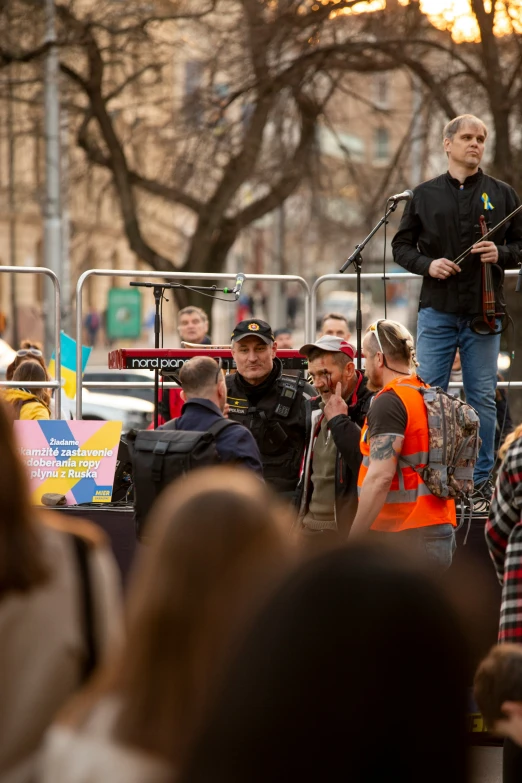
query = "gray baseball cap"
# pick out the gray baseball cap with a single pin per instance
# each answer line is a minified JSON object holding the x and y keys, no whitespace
{"x":330,"y":343}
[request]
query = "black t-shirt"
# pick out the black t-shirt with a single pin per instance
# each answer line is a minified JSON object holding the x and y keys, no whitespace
{"x":387,"y":414}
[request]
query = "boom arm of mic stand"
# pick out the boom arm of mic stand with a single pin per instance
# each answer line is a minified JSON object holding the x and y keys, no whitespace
{"x":356,"y":260}
{"x":356,"y":255}
{"x":182,"y":285}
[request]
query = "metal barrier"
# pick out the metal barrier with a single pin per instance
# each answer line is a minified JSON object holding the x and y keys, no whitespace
{"x":56,"y":384}
{"x":391,"y":278}
{"x":164,"y":276}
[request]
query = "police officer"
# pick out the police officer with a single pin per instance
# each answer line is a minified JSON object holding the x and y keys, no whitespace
{"x":270,"y":404}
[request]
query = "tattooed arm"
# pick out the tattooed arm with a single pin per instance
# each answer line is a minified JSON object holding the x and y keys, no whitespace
{"x":384,"y":454}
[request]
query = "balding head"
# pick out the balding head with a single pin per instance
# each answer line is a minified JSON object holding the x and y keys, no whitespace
{"x":201,"y":377}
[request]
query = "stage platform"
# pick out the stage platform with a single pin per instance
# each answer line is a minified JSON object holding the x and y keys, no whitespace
{"x":118,"y":523}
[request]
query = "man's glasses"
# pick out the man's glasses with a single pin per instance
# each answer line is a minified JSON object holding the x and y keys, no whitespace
{"x":29,"y":352}
{"x":375,"y":329}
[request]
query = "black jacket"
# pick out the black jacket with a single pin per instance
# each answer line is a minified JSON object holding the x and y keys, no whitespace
{"x":233,"y":444}
{"x":281,"y":439}
{"x":346,"y":432}
{"x":441,"y":221}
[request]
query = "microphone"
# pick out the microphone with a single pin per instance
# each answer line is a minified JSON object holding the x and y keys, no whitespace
{"x":240,"y":279}
{"x":406,"y":195}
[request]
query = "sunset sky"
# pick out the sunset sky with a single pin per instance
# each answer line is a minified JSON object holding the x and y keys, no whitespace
{"x":456,"y":16}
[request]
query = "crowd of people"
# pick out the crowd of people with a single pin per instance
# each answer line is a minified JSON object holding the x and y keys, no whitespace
{"x":339,"y":459}
{"x":289,"y":617}
{"x":222,"y":648}
{"x":229,"y":619}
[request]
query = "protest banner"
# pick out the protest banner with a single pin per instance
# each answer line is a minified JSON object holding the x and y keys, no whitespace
{"x":76,"y":459}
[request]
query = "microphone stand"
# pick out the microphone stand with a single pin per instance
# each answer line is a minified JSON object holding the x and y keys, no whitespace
{"x":356,"y":259}
{"x":158,"y":290}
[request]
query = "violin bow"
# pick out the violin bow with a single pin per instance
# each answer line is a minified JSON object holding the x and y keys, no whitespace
{"x":488,"y":235}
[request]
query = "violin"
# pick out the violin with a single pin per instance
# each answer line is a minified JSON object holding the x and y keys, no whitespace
{"x":487,"y":322}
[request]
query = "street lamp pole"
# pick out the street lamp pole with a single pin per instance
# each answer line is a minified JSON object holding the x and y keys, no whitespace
{"x":52,"y":208}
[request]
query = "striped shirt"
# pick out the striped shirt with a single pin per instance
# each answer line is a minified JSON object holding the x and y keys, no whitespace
{"x":504,"y":540}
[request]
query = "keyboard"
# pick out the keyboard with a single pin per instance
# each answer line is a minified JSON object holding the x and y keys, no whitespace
{"x":172,"y":359}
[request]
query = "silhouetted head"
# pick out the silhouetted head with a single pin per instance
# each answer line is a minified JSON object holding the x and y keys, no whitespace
{"x":356,"y":671}
{"x":218,"y":546}
{"x":22,"y":565}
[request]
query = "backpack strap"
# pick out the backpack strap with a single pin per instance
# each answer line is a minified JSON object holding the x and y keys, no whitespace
{"x":222,"y":424}
{"x":81,"y":549}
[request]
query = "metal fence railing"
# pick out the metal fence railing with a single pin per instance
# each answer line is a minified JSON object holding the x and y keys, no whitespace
{"x":352,"y":278}
{"x":159,"y":276}
{"x":56,"y":384}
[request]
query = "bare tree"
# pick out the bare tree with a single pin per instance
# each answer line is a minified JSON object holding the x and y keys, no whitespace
{"x":200,"y":154}
{"x":220,"y":151}
{"x":203,"y":113}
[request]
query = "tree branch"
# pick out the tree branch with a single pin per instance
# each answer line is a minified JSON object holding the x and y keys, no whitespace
{"x":8,"y":57}
{"x":291,"y":175}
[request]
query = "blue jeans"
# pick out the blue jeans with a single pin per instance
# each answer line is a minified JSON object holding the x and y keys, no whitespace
{"x":439,"y":545}
{"x":439,"y":335}
{"x":433,"y":545}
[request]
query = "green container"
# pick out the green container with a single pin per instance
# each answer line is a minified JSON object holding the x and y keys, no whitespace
{"x":124,"y":313}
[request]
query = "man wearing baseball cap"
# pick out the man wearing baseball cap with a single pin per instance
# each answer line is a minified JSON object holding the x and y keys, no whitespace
{"x":270,"y":404}
{"x":328,"y":483}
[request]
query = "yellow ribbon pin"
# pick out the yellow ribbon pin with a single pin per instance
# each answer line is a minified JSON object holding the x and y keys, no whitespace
{"x":487,"y":202}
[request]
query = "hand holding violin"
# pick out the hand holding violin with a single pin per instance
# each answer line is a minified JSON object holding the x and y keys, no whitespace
{"x":488,"y":252}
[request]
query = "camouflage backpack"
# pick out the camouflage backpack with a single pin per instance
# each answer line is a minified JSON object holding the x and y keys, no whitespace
{"x":453,"y":431}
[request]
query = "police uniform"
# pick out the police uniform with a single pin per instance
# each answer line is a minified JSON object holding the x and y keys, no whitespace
{"x":274,"y":412}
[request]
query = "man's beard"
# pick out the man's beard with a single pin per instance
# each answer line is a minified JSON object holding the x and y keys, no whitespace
{"x":370,"y":385}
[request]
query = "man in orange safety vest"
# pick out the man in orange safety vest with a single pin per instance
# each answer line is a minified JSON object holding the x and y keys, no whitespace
{"x":393,"y":498}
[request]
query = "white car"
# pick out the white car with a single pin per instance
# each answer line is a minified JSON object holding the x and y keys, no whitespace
{"x":131,"y":411}
{"x":102,"y":374}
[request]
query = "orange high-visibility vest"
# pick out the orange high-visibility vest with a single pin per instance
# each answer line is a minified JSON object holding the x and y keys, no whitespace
{"x":409,"y":503}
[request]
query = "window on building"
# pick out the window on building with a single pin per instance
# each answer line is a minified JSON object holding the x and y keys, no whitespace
{"x":382,"y":144}
{"x":192,"y":103}
{"x":381,"y":89}
{"x":215,"y":116}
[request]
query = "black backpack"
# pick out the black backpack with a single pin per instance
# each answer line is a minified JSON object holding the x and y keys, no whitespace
{"x":163,"y":455}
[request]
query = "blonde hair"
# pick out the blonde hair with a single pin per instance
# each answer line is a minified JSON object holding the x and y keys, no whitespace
{"x":511,"y":438}
{"x":397,"y":342}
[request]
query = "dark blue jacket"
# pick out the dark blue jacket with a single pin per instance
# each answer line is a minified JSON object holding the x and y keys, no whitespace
{"x":233,"y":444}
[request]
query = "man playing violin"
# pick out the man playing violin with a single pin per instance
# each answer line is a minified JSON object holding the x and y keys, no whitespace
{"x":460,"y":306}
